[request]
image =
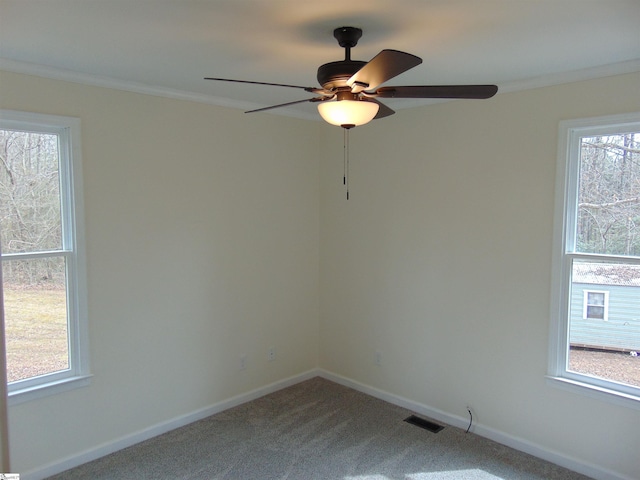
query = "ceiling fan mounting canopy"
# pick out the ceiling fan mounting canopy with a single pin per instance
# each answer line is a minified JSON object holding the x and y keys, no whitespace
{"x":358,"y":81}
{"x":347,"y":36}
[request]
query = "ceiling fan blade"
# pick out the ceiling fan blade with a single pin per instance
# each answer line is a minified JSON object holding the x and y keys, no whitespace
{"x":383,"y":110}
{"x":384,"y":66}
{"x":315,"y":99}
{"x":307,"y":89}
{"x":437,"y":91}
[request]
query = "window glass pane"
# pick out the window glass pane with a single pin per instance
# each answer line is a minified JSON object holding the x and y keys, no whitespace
{"x":30,"y":214}
{"x":608,"y":219}
{"x":35,"y":317}
{"x":595,"y":312}
{"x":594,"y":298}
{"x":605,"y":349}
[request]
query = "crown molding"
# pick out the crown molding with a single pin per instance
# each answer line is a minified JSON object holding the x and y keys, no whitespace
{"x":541,"y":81}
{"x":620,"y":68}
{"x":55,"y":73}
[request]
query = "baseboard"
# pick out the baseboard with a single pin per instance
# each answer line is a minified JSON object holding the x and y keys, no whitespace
{"x":163,"y":427}
{"x":520,"y":444}
{"x":516,"y":443}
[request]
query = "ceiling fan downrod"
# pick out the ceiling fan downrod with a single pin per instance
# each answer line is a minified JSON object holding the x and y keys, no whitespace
{"x":347,"y":38}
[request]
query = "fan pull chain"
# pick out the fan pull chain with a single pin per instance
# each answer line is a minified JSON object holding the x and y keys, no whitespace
{"x":345,"y":173}
{"x":344,"y":157}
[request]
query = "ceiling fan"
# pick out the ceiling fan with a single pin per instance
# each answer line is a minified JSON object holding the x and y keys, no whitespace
{"x":350,"y":89}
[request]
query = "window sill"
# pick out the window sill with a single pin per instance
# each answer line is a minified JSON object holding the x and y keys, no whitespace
{"x":40,"y":391}
{"x":593,"y":391}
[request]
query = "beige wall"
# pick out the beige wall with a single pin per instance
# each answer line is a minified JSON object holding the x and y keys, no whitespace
{"x":211,"y":233}
{"x":441,"y":261}
{"x":202,"y":245}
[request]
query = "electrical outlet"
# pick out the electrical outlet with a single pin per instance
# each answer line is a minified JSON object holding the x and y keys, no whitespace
{"x":377,"y":358}
{"x":243,"y":361}
{"x":271,"y":354}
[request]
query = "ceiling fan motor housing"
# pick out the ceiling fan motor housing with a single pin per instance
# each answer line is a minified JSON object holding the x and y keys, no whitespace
{"x":335,"y":74}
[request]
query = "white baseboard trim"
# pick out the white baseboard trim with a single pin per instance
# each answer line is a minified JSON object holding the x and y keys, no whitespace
{"x":516,"y":443}
{"x":163,"y":427}
{"x":520,"y":444}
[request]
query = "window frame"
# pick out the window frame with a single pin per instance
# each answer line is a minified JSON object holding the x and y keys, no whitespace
{"x":564,"y":254}
{"x":72,"y":250}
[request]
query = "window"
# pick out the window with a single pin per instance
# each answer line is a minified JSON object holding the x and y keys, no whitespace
{"x":596,"y":305}
{"x":43,"y":272}
{"x":595,"y":317}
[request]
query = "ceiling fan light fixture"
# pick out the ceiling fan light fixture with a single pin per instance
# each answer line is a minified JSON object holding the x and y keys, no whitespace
{"x":350,"y":113}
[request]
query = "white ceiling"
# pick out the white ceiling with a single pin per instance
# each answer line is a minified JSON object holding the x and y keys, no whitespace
{"x":166,"y":47}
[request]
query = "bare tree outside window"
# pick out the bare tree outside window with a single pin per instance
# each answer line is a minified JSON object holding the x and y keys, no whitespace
{"x":609,"y":195}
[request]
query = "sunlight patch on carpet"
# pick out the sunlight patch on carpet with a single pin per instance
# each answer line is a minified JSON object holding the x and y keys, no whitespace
{"x":367,"y":477}
{"x":470,"y":474}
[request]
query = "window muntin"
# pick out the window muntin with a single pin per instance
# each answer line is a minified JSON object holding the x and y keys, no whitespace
{"x":44,"y":291}
{"x":597,"y":250}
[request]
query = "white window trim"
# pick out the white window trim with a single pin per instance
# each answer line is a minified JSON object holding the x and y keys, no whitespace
{"x":585,"y":306}
{"x":563,"y":255}
{"x":73,"y":249}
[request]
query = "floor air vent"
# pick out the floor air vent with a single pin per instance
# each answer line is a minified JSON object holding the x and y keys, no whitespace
{"x":422,"y":423}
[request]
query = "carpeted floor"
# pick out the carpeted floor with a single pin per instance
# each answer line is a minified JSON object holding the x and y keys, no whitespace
{"x":316,"y":430}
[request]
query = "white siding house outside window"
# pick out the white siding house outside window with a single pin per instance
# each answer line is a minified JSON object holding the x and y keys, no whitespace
{"x":43,"y":268}
{"x":595,"y":297}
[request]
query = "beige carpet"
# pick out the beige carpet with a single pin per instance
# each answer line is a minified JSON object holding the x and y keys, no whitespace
{"x":317,"y":430}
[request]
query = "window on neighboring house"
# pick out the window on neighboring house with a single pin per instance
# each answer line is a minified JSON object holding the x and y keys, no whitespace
{"x":43,"y":272}
{"x":597,"y":253}
{"x":596,"y":305}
